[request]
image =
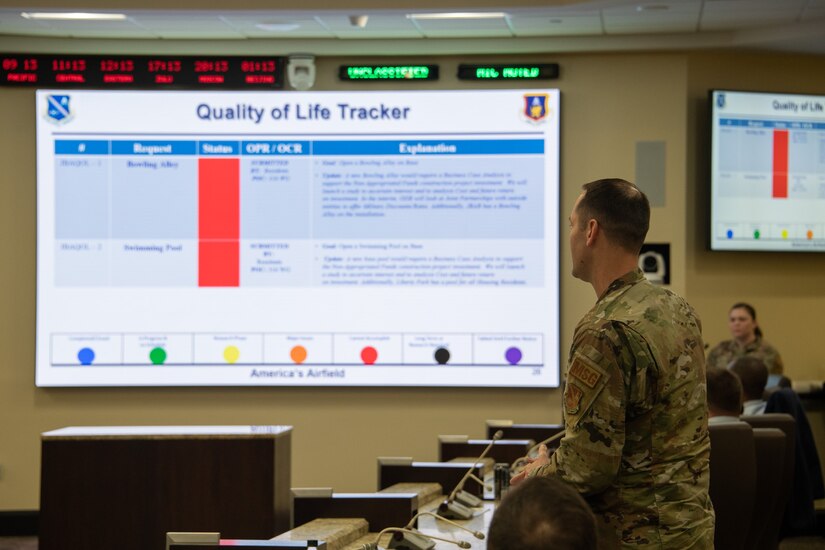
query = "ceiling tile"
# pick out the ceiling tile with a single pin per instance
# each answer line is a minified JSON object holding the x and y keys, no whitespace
{"x":546,"y":24}
{"x":378,"y":26}
{"x":460,"y":28}
{"x":659,"y":17}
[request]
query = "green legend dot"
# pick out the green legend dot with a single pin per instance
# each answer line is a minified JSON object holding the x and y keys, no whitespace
{"x":158,"y":356}
{"x":756,"y":234}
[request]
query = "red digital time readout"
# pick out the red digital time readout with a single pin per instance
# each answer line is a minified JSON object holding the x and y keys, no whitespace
{"x":22,"y":71}
{"x":117,"y":71}
{"x":211,"y":71}
{"x":140,"y":71}
{"x":211,"y":66}
{"x":69,"y":70}
{"x":265,"y":66}
{"x":164,"y":65}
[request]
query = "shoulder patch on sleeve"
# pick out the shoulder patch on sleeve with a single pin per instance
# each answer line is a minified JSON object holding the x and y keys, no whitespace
{"x":585,"y":381}
{"x":572,"y":398}
{"x":588,"y":375}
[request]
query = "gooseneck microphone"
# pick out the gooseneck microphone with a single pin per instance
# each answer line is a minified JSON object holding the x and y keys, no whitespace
{"x":456,"y":505}
{"x":409,"y":539}
{"x":519,"y":462}
{"x":477,"y":534}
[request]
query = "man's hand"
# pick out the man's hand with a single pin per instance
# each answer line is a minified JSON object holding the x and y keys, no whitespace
{"x":532,"y":464}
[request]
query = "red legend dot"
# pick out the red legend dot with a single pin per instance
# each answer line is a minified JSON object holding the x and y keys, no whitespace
{"x":369,"y":355}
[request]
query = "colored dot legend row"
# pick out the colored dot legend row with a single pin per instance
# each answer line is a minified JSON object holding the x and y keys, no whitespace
{"x":180,"y":349}
{"x":298,"y":355}
{"x":757,"y":234}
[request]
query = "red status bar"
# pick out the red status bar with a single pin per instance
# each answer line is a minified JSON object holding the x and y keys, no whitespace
{"x":146,"y":71}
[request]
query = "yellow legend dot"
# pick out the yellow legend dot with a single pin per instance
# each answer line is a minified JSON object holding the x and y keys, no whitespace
{"x":784,"y":233}
{"x":231,"y":354}
{"x":298,"y":354}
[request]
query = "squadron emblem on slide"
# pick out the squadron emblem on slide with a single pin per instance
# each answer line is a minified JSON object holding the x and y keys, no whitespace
{"x":535,"y":107}
{"x":57,"y":109}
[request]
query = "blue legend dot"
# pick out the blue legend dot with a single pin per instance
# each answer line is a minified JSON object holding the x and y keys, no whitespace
{"x":513,"y":355}
{"x":730,"y":233}
{"x":86,"y":356}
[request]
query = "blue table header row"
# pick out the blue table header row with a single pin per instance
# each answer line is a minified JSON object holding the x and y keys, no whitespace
{"x":776,"y":124}
{"x":299,"y":148}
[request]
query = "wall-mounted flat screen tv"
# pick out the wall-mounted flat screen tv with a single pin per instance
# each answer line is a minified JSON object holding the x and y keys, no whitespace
{"x":767,"y":172}
{"x":284,"y":238}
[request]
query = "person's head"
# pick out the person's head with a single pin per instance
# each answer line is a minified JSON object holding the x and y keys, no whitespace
{"x":541,"y":513}
{"x":724,"y":392}
{"x":742,"y":322}
{"x":753,"y":374}
{"x":618,"y":209}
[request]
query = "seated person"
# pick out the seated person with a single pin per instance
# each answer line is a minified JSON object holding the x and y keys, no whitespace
{"x":542,"y":513}
{"x":724,"y":396}
{"x":808,"y":486}
{"x":747,"y":341}
{"x":753,"y":374}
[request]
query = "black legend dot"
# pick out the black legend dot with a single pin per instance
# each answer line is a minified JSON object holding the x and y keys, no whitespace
{"x":442,"y":355}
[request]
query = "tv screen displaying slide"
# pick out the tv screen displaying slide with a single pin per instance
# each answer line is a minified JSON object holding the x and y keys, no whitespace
{"x":767,"y":172}
{"x":298,"y":238}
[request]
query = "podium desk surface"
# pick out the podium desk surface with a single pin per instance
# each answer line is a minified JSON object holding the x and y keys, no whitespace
{"x":165,"y":432}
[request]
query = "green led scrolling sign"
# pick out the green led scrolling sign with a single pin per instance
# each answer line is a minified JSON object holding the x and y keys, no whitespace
{"x":539,"y":71}
{"x":388,"y":72}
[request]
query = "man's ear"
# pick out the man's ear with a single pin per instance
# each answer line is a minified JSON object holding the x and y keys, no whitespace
{"x":593,"y":230}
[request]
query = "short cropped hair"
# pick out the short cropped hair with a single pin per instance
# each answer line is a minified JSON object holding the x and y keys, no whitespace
{"x":724,"y":391}
{"x":542,"y":513}
{"x":621,"y":209}
{"x":754,"y":376}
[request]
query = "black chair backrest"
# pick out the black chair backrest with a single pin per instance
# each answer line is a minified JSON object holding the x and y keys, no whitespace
{"x":787,"y":424}
{"x":732,"y":482}
{"x":770,"y":456}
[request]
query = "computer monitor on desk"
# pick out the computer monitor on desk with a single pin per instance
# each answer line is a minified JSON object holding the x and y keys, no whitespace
{"x":536,"y":432}
{"x":392,"y":470}
{"x":451,"y":447}
{"x":381,"y":510}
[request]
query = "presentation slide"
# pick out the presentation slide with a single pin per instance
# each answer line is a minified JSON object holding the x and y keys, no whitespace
{"x":386,"y":238}
{"x":767,"y":172}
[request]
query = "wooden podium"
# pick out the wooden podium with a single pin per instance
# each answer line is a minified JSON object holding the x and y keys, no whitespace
{"x":105,"y":488}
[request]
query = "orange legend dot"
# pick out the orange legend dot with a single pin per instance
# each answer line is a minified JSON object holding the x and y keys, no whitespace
{"x":810,"y":234}
{"x":298,"y":354}
{"x":369,"y":355}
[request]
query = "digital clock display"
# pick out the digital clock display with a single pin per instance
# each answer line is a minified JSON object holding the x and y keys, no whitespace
{"x":146,"y":72}
{"x":540,"y":71}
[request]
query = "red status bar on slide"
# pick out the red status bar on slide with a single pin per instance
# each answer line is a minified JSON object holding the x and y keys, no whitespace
{"x":141,"y":71}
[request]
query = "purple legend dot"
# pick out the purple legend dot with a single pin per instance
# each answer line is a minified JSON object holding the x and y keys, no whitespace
{"x":513,"y":355}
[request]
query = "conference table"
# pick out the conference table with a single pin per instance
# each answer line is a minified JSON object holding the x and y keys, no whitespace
{"x":125,"y":487}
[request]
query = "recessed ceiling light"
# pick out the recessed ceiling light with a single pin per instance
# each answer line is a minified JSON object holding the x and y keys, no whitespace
{"x":458,"y":15}
{"x":653,"y":7}
{"x":278,"y":26}
{"x":75,"y":16}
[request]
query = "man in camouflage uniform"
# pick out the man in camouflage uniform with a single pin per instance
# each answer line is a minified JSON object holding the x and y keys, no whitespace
{"x":636,"y":442}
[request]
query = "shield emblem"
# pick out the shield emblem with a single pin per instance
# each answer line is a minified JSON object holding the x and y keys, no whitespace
{"x":58,"y":107}
{"x":535,"y":106}
{"x":720,"y":100}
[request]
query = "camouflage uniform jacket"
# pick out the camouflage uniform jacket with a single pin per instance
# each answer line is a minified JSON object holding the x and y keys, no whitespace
{"x":636,"y":444}
{"x":728,"y":351}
